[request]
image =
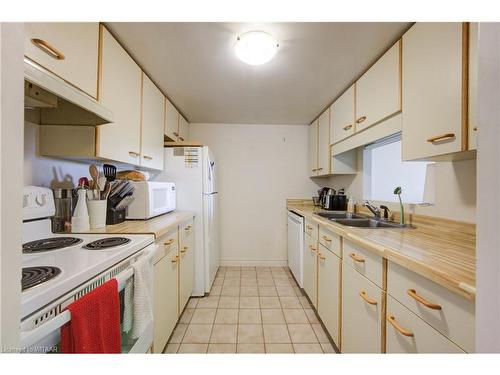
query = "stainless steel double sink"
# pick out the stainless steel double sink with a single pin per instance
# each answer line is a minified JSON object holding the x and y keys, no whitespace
{"x":359,"y":221}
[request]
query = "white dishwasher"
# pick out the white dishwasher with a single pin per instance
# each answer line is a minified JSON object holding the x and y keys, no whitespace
{"x":296,"y":245}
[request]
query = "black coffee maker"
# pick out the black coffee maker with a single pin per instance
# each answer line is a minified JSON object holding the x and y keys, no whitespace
{"x":331,"y":200}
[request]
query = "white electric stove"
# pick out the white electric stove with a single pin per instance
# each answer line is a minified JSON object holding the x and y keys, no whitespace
{"x":56,"y":264}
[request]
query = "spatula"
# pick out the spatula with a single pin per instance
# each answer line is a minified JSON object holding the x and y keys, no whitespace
{"x":109,"y":172}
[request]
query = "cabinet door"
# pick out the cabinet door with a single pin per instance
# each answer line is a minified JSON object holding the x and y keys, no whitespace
{"x":342,"y":116}
{"x":324,"y":143}
{"x":329,"y":291}
{"x":313,"y":149}
{"x":186,"y":251}
{"x":407,"y":333}
{"x":361,"y":313}
{"x":432,"y":90}
{"x":171,"y":121}
{"x":153,"y":113}
{"x":68,"y":50}
{"x":120,"y":91}
{"x":183,"y":129}
{"x":473,"y":71}
{"x":165,"y":299}
{"x":378,"y":91}
{"x":311,"y":269}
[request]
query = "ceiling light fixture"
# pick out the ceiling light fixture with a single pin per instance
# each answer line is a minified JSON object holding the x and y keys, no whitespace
{"x":256,"y":47}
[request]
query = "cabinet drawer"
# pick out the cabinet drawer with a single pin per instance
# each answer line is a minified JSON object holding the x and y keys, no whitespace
{"x":361,"y":313}
{"x":447,"y":312}
{"x":364,"y":261}
{"x":186,"y":229}
{"x":311,"y":228}
{"x":167,"y":242}
{"x":68,"y":49}
{"x":330,"y":240}
{"x":407,"y":333}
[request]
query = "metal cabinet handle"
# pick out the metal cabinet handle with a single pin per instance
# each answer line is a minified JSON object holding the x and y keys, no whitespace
{"x":361,"y":119}
{"x":181,"y":139}
{"x":367,"y":299}
{"x":175,"y":259}
{"x":309,"y":227}
{"x":176,"y":134}
{"x":400,"y":329}
{"x":133,"y":153}
{"x":188,"y":228}
{"x":412,"y":293}
{"x":321,"y":257}
{"x":312,"y":248}
{"x":184,"y":249}
{"x":48,"y":48}
{"x":169,"y":242}
{"x":442,"y":137}
{"x":347,"y":127}
{"x":326,"y":238}
{"x":356,"y":258}
{"x":147,"y":157}
{"x":474,"y":128}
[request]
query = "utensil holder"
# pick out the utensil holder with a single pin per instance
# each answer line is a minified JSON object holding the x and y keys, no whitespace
{"x":97,"y":213}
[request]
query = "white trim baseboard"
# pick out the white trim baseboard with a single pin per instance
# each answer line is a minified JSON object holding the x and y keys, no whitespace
{"x":253,"y":263}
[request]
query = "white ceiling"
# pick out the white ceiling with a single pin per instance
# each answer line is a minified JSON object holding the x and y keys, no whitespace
{"x":195,"y":66}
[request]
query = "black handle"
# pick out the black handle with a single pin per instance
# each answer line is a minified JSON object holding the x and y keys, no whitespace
{"x":386,"y":211}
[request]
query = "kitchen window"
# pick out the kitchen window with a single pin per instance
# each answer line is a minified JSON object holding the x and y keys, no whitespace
{"x":384,"y":170}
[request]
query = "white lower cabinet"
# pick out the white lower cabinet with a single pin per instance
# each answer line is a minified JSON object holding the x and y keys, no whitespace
{"x":361,"y":313}
{"x":165,"y":312}
{"x":329,"y":281}
{"x":311,"y":269}
{"x":407,"y":333}
{"x":186,"y":272}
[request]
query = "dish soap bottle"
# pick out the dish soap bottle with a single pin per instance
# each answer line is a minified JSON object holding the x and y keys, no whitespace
{"x":80,"y":219}
{"x":350,"y":204}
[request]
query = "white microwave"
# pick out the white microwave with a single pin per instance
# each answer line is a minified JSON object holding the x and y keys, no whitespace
{"x":151,"y":199}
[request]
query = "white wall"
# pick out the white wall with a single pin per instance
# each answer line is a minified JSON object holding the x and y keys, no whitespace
{"x":455,"y":194}
{"x":11,"y":135}
{"x":48,"y":172}
{"x":260,"y":166}
{"x":488,"y":172}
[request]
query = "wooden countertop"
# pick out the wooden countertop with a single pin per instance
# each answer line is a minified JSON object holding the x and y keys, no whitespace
{"x":158,"y":226}
{"x":441,"y":250}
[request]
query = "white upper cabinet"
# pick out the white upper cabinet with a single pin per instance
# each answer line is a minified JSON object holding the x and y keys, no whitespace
{"x":323,"y":143}
{"x":183,"y":129}
{"x":69,"y":50}
{"x":153,"y":113}
{"x":434,"y":66}
{"x":342,"y":116}
{"x":378,"y":91}
{"x":120,"y":91}
{"x":171,"y":121}
{"x":313,"y":148}
{"x":473,"y":66}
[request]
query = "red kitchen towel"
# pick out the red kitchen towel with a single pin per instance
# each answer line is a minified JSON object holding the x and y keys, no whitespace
{"x":95,"y":322}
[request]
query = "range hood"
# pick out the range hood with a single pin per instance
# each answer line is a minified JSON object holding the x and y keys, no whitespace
{"x":49,"y":100}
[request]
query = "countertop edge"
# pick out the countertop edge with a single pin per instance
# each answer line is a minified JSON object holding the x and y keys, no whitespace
{"x":457,"y":286}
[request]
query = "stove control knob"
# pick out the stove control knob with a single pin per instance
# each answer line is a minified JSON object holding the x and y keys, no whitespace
{"x":41,"y":200}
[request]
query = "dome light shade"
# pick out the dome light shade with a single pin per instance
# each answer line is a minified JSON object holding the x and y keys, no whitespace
{"x":256,"y":47}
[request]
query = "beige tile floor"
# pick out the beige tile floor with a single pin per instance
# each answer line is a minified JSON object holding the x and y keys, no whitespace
{"x":250,"y":310}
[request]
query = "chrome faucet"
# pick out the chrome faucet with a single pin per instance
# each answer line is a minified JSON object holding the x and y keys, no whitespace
{"x":374,"y":210}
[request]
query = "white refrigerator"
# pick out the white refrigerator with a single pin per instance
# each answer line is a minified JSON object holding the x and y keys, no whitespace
{"x":194,"y":170}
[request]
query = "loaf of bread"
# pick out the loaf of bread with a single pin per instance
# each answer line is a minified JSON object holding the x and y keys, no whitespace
{"x":132,"y":175}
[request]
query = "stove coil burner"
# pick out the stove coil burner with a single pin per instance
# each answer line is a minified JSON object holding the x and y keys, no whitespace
{"x":106,"y":243}
{"x":48,"y":244}
{"x":33,"y":276}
